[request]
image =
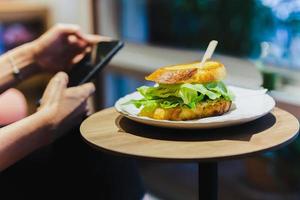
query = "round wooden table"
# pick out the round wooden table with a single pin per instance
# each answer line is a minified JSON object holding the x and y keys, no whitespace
{"x":108,"y":131}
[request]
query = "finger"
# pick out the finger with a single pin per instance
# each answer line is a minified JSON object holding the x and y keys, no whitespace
{"x":92,"y":39}
{"x":72,"y":39}
{"x":57,"y":86}
{"x":74,"y":54}
{"x":84,"y":90}
{"x":88,"y":49}
{"x":75,"y":30}
{"x":76,"y":42}
{"x":48,"y":88}
{"x":88,"y":88}
{"x":88,"y":109}
{"x":76,"y":50}
{"x":73,"y":58}
{"x":56,"y":92}
{"x":67,"y":28}
{"x":78,"y":58}
{"x":85,"y":108}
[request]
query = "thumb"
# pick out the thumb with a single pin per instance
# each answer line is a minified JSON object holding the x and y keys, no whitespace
{"x":55,"y":88}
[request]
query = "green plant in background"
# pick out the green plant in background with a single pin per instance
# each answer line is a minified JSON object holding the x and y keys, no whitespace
{"x":271,"y":80}
{"x":238,"y":25}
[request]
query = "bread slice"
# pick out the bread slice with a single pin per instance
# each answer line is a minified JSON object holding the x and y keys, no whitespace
{"x":207,"y":108}
{"x":189,"y":73}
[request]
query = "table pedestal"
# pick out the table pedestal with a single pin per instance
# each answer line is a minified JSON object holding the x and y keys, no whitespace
{"x":208,"y":180}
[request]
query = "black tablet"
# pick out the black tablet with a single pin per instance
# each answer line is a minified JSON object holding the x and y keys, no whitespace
{"x":92,"y":63}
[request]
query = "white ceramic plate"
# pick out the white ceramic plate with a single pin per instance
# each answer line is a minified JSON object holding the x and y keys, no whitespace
{"x":247,"y":106}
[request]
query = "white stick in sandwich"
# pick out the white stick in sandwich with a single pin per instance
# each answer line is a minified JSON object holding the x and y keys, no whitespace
{"x":209,"y":51}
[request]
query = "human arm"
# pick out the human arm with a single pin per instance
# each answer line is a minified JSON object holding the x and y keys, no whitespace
{"x":22,"y":57}
{"x":58,"y":49}
{"x":61,"y":108}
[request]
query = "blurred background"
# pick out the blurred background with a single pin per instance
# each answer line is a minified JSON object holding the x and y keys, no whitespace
{"x":259,"y":43}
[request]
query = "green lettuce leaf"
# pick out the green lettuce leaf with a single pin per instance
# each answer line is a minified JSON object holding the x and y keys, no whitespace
{"x":171,"y":96}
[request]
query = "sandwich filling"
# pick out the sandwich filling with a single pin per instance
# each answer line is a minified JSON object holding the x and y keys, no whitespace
{"x":163,"y":101}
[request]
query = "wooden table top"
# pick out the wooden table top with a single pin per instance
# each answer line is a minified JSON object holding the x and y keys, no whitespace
{"x":107,"y":130}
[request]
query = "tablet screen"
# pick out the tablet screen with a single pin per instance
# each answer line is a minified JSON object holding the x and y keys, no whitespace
{"x":93,"y":62}
{"x":103,"y":49}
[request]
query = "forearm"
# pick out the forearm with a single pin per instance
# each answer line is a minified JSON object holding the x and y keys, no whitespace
{"x":23,"y":137}
{"x":23,"y":58}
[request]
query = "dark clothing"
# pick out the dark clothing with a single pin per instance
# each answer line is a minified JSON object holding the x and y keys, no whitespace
{"x":70,"y":168}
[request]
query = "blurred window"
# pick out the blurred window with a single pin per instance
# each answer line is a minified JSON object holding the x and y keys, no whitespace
{"x":15,"y":33}
{"x":239,"y":26}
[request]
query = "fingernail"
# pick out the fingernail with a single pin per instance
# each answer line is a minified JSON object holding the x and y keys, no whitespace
{"x":88,"y":49}
{"x":92,"y":88}
{"x":62,"y":76}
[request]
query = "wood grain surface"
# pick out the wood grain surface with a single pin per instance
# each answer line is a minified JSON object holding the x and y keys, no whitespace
{"x":107,"y":130}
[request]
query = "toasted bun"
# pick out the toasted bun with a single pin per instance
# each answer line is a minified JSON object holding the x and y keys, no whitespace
{"x":189,"y":73}
{"x":204,"y":109}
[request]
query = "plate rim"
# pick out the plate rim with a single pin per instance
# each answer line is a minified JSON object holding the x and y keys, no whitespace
{"x":192,"y":124}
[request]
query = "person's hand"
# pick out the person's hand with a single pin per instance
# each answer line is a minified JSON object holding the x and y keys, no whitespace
{"x":64,"y":107}
{"x":63,"y":46}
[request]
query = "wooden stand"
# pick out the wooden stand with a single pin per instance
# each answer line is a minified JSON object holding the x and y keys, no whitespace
{"x":108,"y":131}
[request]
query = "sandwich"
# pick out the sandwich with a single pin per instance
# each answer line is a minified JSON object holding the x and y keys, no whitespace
{"x":185,"y":92}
